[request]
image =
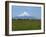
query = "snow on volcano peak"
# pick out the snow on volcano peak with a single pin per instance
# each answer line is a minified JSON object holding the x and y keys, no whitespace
{"x":24,"y":14}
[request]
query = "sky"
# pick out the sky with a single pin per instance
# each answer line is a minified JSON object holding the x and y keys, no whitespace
{"x":34,"y":11}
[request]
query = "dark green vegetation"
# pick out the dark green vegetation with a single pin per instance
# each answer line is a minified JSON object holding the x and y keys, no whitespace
{"x":26,"y":24}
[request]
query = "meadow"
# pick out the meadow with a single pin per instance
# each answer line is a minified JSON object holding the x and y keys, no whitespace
{"x":26,"y":24}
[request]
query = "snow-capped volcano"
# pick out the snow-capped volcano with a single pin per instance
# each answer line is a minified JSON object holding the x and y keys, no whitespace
{"x":24,"y":14}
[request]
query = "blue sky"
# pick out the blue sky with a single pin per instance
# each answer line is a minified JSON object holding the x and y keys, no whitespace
{"x":34,"y":11}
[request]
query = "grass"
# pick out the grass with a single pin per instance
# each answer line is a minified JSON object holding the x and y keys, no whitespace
{"x":26,"y":24}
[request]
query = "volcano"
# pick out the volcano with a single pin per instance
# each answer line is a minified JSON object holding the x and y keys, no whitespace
{"x":24,"y":15}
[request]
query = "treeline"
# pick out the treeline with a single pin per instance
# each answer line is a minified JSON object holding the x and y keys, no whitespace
{"x":28,"y":19}
{"x":21,"y":19}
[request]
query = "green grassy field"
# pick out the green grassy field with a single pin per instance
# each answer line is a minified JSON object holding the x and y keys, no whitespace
{"x":26,"y":24}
